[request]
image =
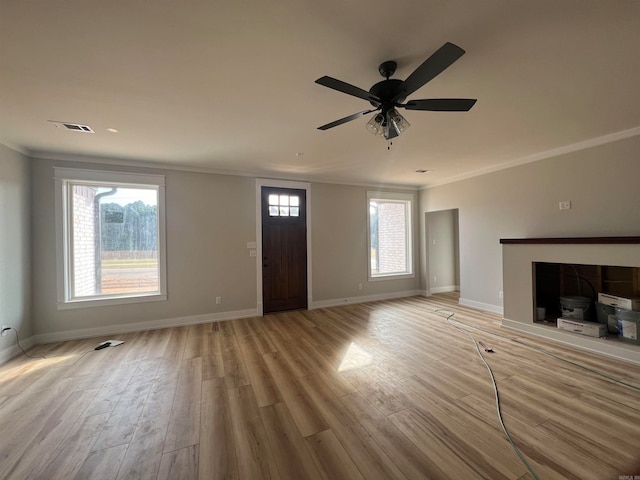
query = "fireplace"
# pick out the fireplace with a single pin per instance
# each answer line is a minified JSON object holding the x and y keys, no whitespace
{"x":554,"y":281}
{"x":537,"y":272}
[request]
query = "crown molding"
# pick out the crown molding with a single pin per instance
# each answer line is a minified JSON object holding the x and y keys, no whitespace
{"x":554,"y":152}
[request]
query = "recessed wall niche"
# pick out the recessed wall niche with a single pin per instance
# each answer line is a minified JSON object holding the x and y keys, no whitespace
{"x":554,"y":280}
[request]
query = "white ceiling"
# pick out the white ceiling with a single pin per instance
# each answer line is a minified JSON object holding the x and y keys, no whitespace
{"x":229,"y":85}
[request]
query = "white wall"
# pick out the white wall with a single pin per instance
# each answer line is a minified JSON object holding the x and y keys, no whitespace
{"x":210,"y":219}
{"x":15,"y":266}
{"x":603,"y":184}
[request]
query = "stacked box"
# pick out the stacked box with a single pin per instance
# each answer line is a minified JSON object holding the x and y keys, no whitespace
{"x":591,"y":329}
{"x":619,"y":302}
{"x":628,"y":325}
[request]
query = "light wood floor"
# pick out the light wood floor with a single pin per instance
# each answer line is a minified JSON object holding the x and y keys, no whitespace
{"x":384,"y":390}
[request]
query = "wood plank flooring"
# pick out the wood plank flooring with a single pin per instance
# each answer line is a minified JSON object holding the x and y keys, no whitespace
{"x":383,"y":390}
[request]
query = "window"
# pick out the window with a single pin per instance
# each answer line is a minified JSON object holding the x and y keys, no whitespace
{"x":390,"y":241}
{"x":110,"y":237}
{"x":284,"y":205}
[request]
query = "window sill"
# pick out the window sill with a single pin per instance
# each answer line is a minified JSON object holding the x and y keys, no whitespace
{"x":104,"y":302}
{"x":392,"y":276}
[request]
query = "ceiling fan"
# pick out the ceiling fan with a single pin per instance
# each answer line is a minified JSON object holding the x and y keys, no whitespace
{"x":386,"y":96}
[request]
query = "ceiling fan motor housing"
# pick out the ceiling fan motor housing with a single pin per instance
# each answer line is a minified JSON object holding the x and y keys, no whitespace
{"x":386,"y":90}
{"x":387,"y":69}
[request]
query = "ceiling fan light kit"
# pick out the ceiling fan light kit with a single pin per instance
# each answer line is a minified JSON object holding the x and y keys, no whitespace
{"x":398,"y":121}
{"x":376,"y":124}
{"x":387,"y":96}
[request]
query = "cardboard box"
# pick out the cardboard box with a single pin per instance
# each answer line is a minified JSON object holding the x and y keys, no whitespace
{"x":620,"y":302}
{"x":591,"y":329}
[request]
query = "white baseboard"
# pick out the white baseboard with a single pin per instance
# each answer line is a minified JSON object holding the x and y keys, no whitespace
{"x":141,"y":326}
{"x":486,"y":307}
{"x":618,"y":350}
{"x":8,"y":353}
{"x":450,"y":288}
{"x":335,"y":302}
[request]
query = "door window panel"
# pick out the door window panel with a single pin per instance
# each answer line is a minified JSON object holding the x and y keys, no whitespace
{"x":284,"y":206}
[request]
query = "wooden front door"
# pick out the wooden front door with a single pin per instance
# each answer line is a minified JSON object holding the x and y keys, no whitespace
{"x":284,"y":249}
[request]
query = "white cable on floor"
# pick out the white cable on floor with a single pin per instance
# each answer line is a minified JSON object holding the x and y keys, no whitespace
{"x":495,"y":389}
{"x":545,"y":352}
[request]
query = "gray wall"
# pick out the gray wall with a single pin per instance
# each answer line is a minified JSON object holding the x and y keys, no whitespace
{"x":340,"y":245}
{"x":602,"y":182}
{"x":210,"y":219}
{"x":15,"y":265}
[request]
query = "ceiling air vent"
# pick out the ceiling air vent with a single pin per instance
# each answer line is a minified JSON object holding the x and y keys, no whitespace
{"x":76,"y":127}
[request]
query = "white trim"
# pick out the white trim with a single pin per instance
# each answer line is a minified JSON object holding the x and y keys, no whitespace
{"x":450,"y":288}
{"x":8,"y":353}
{"x":618,"y":350}
{"x":106,"y":176}
{"x":16,"y":148}
{"x":158,"y":165}
{"x":409,"y":200}
{"x":390,"y":276}
{"x":142,"y":326}
{"x":486,"y":307}
{"x":265,"y":182}
{"x":384,"y":195}
{"x":589,"y":143}
{"x":103,"y":301}
{"x":335,"y":302}
{"x":62,"y":177}
{"x":554,"y":152}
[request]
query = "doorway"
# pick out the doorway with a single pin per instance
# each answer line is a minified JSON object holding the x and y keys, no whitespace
{"x":283,"y":213}
{"x":443,"y":251}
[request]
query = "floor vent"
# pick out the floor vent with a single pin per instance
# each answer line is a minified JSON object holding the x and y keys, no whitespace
{"x":76,"y":127}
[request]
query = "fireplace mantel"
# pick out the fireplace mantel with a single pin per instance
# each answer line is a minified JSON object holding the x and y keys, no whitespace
{"x":571,"y":240}
{"x":518,"y":258}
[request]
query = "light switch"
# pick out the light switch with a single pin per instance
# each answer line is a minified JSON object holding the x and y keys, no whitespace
{"x":252,"y":245}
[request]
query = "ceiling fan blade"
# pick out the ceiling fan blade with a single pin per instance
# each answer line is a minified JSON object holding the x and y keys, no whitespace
{"x":442,"y":104}
{"x":346,"y":119}
{"x":430,"y":68}
{"x":344,"y":87}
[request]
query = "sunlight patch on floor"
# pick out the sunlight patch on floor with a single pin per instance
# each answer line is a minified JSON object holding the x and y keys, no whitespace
{"x":31,"y":367}
{"x":355,"y":357}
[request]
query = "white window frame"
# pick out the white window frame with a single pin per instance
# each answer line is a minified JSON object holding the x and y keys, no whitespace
{"x":408,"y":200}
{"x":63,"y":178}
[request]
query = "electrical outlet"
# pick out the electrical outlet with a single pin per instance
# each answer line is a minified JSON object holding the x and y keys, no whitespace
{"x":218,"y":300}
{"x":566,"y":205}
{"x":434,"y":279}
{"x":500,"y":294}
{"x":359,"y":286}
{"x":5,"y":330}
